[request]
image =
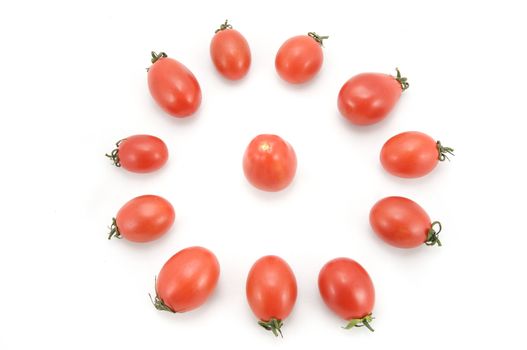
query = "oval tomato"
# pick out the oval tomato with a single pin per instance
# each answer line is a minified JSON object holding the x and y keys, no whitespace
{"x":140,"y":153}
{"x":412,"y":154}
{"x":143,"y":219}
{"x":186,"y":280}
{"x":271,"y":292}
{"x":367,"y":98}
{"x":230,"y":52}
{"x":173,"y":86}
{"x":402,"y":223}
{"x":348,"y":291}
{"x":300,"y":58}
{"x":269,"y":163}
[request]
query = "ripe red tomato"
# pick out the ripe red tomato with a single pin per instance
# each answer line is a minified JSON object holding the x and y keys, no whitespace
{"x":143,"y":219}
{"x":367,"y":98}
{"x":402,"y":223}
{"x":300,"y":58}
{"x":230,"y":52}
{"x":186,"y":280}
{"x":271,"y":292}
{"x":412,"y":154}
{"x":269,"y":163}
{"x":140,"y":153}
{"x":173,"y":86}
{"x":348,"y":291}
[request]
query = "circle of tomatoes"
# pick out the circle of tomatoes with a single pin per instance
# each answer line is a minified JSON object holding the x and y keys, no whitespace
{"x":186,"y":280}
{"x":173,"y":86}
{"x":269,"y":163}
{"x":140,"y":153}
{"x":143,"y":219}
{"x":401,"y":222}
{"x":271,"y":292}
{"x":230,"y":52}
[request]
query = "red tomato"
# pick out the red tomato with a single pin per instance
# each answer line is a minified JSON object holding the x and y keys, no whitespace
{"x":367,"y":98}
{"x":300,"y":58}
{"x":402,"y":223}
{"x":348,"y":291}
{"x":140,"y":153}
{"x":186,"y":280}
{"x":412,"y":154}
{"x":271,"y":292}
{"x":230,"y":52}
{"x":173,"y":86}
{"x":143,"y":219}
{"x":269,"y":163}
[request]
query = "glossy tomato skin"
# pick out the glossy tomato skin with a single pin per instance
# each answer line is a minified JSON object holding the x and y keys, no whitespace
{"x":410,"y":154}
{"x":368,"y":98}
{"x":188,"y":279}
{"x":145,"y":218}
{"x":271,"y":288}
{"x":142,"y":153}
{"x":230,"y":54}
{"x":269,"y":163}
{"x":299,"y":59}
{"x":346,"y":288}
{"x":174,"y":87}
{"x":400,"y":222}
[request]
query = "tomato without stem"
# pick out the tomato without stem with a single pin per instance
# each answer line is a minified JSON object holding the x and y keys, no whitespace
{"x":368,"y":98}
{"x":412,"y":154}
{"x":300,"y":58}
{"x":271,"y":292}
{"x":140,"y":153}
{"x":402,"y":223}
{"x":143,"y":219}
{"x":173,"y":87}
{"x":186,"y":280}
{"x":230,"y":52}
{"x":348,"y":291}
{"x":269,"y":163}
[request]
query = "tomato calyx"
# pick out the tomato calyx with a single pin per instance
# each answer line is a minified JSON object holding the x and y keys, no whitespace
{"x":114,"y":155}
{"x":432,"y":236}
{"x":157,"y":56}
{"x":274,"y":325}
{"x":444,"y":151}
{"x":158,"y":302}
{"x":402,"y":80}
{"x":224,"y":26}
{"x":114,"y":230}
{"x":360,"y":322}
{"x":318,"y":38}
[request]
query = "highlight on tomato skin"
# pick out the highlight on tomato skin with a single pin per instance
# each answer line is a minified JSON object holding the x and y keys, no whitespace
{"x":143,"y":219}
{"x":187,"y":280}
{"x":230,"y":52}
{"x":271,"y":292}
{"x":173,"y":86}
{"x":403,"y":223}
{"x":347,"y":289}
{"x":412,"y":154}
{"x":140,"y":153}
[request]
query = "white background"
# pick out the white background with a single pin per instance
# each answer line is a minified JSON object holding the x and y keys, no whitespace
{"x":73,"y":82}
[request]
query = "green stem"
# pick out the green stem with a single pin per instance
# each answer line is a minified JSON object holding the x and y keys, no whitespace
{"x":114,"y":230}
{"x":402,"y":80}
{"x":114,"y":155}
{"x":432,"y":236}
{"x":360,"y":322}
{"x":444,"y":151}
{"x":158,"y":302}
{"x":274,"y":325}
{"x":157,"y":56}
{"x":318,"y":38}
{"x":224,"y":26}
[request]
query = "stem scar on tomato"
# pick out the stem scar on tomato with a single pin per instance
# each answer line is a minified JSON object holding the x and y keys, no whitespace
{"x":224,"y":26}
{"x":114,"y":230}
{"x":432,"y":236}
{"x":274,"y":325}
{"x":402,"y":80}
{"x":114,"y":155}
{"x":360,"y":322}
{"x":444,"y":151}
{"x":158,"y":302}
{"x":318,"y":38}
